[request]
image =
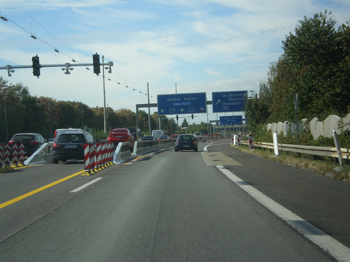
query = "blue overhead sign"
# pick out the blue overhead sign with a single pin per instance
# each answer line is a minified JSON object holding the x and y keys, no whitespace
{"x":230,"y":120}
{"x":229,"y":101}
{"x":177,"y":104}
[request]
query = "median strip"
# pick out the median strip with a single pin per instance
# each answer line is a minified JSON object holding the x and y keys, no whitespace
{"x":10,"y":202}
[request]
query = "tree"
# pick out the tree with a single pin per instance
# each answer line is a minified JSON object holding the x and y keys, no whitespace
{"x":184,"y":123}
{"x":258,"y":108}
{"x":313,"y":55}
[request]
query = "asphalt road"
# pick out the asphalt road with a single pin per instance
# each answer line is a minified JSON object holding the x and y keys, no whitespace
{"x":167,"y":206}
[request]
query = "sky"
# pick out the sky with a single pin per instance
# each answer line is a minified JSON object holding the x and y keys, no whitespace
{"x":183,"y":46}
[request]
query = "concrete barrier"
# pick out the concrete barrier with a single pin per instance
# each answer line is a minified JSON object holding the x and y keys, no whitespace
{"x":121,"y":153}
{"x":144,"y":147}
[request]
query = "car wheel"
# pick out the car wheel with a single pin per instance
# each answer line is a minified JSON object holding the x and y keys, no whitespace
{"x":176,"y":150}
{"x":55,"y":161}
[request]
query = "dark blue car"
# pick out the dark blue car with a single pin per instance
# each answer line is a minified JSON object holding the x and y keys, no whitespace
{"x":186,"y":142}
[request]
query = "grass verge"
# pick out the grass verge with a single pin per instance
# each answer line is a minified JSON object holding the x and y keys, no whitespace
{"x":325,"y":167}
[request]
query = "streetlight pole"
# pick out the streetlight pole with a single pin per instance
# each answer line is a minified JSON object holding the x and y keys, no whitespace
{"x":7,"y":135}
{"x":149,"y":111}
{"x":104,"y":97}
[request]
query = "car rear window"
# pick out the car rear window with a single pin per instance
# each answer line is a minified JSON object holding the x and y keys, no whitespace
{"x":71,"y":138}
{"x":119,"y":131}
{"x":186,"y":138}
{"x":23,"y":138}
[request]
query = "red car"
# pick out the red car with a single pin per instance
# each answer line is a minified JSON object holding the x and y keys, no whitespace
{"x":173,"y":136}
{"x":121,"y":135}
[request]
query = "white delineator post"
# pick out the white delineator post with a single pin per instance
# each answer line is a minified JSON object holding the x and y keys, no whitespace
{"x":275,"y":143}
{"x":336,"y":142}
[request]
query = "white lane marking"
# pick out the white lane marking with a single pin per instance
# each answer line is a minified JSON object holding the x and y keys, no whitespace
{"x":86,"y":185}
{"x":318,"y":237}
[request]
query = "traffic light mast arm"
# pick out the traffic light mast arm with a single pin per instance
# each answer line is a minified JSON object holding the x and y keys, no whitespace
{"x":10,"y":68}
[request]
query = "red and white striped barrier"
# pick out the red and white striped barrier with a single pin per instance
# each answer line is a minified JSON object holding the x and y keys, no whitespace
{"x":7,"y":156}
{"x":98,"y":155}
{"x":1,"y":154}
{"x":238,"y":140}
{"x":14,"y":155}
{"x":87,"y":159}
{"x":103,"y":155}
{"x":92,"y":158}
{"x":251,"y":141}
{"x":21,"y":154}
{"x":110,"y":153}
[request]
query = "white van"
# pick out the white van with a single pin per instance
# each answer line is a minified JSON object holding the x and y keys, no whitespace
{"x":157,"y":133}
{"x":58,"y":132}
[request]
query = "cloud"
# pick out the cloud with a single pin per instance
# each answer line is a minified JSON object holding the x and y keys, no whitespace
{"x":211,"y":72}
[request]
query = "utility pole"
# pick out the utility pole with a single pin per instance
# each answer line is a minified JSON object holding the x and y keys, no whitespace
{"x":177,"y":117}
{"x":7,"y":134}
{"x":104,"y":97}
{"x":149,"y":111}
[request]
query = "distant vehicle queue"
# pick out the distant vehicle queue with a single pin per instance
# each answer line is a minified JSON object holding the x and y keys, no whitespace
{"x":68,"y":143}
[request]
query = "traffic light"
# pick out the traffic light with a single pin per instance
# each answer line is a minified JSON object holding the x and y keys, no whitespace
{"x":192,"y":116}
{"x":36,"y":66}
{"x":96,"y":63}
{"x":177,"y":117}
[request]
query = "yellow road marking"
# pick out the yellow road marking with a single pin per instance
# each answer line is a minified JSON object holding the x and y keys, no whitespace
{"x":3,"y":170}
{"x":10,"y":202}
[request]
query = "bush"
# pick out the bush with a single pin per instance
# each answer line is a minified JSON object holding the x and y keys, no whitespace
{"x":99,"y":134}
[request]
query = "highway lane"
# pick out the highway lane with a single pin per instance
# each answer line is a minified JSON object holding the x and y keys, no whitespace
{"x":18,"y":183}
{"x":164,"y":207}
{"x":320,"y":200}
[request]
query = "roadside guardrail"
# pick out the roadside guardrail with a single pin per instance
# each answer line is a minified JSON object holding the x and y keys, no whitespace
{"x":310,"y":150}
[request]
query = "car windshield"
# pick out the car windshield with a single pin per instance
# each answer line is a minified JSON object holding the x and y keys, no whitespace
{"x":23,"y":137}
{"x":71,"y":138}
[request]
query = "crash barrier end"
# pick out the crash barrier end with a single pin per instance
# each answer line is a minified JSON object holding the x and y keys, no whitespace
{"x":40,"y":156}
{"x":122,"y":153}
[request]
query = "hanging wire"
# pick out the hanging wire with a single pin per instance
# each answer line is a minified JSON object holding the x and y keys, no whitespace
{"x":59,"y":51}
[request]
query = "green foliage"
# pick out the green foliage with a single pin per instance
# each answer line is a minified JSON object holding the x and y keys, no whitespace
{"x":99,"y":134}
{"x":315,"y":56}
{"x":257,"y":109}
{"x":316,"y":66}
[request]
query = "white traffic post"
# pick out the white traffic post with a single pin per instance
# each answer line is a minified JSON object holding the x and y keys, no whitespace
{"x":275,"y":143}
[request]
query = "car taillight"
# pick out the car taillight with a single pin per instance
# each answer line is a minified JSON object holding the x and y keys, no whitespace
{"x":177,"y":142}
{"x":11,"y":142}
{"x":56,"y":145}
{"x":194,"y":142}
